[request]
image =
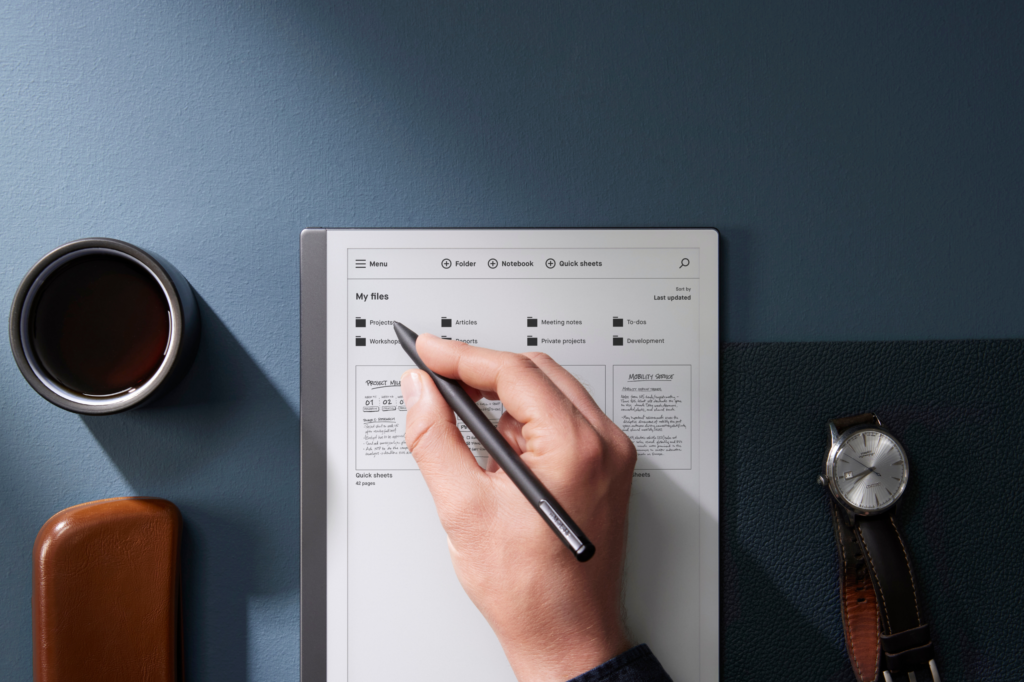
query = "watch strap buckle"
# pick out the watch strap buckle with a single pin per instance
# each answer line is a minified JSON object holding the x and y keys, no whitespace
{"x":933,"y":670}
{"x":910,"y":650}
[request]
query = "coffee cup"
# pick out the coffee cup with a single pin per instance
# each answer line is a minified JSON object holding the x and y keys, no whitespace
{"x":100,"y":326}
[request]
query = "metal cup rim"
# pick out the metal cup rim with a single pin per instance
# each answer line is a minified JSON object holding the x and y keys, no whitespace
{"x":47,"y":386}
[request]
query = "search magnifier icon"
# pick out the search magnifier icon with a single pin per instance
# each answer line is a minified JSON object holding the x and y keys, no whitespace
{"x":683,"y":263}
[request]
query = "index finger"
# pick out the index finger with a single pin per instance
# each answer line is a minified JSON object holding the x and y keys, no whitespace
{"x":525,"y":390}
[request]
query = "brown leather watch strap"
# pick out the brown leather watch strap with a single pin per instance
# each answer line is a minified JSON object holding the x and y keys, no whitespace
{"x":904,"y":638}
{"x":858,"y":602}
{"x":889,"y":568}
{"x":856,"y":420}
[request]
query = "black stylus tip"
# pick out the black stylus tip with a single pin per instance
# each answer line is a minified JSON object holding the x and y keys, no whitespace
{"x":401,"y":330}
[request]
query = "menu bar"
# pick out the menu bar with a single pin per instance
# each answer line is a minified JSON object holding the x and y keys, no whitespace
{"x":499,"y":263}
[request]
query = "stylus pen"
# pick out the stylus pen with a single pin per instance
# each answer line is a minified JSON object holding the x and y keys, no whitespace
{"x":542,"y":500}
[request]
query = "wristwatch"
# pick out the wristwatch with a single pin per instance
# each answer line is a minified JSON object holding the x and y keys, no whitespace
{"x":865,"y":472}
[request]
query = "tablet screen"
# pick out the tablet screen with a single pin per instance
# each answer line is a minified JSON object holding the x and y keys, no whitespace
{"x":632,"y":314}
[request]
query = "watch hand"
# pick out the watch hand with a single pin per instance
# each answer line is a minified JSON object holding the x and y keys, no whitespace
{"x":869,"y":469}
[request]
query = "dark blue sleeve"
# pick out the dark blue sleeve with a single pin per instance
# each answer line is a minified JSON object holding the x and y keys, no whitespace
{"x":636,"y":665}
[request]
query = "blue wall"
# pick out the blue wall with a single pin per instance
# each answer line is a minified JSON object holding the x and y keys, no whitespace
{"x":864,"y":162}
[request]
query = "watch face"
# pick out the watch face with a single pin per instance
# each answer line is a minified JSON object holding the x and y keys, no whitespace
{"x":868,"y":471}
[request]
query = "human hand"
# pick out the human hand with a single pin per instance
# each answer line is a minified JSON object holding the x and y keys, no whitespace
{"x":554,"y":616}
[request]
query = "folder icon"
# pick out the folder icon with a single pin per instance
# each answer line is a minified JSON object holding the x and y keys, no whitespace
{"x":360,"y":322}
{"x":616,"y":340}
{"x":446,"y":322}
{"x":616,"y":321}
{"x":360,"y":341}
{"x":531,"y":322}
{"x":531,"y":340}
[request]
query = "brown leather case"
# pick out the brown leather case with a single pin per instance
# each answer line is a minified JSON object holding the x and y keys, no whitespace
{"x":106,"y":593}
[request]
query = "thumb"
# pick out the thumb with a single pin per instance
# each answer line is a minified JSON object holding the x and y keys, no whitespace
{"x":434,"y":439}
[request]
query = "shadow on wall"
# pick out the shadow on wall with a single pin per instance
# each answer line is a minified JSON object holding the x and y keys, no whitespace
{"x":224,"y":447}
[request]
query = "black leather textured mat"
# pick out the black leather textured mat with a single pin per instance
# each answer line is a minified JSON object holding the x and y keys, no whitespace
{"x":958,"y":409}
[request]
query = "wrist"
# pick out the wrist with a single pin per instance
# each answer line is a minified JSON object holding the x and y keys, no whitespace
{"x":557,"y":659}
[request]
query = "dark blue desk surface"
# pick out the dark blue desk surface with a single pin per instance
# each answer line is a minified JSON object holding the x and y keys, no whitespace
{"x":864,"y":165}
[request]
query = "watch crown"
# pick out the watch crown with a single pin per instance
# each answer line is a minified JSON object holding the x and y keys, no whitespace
{"x":821,"y":480}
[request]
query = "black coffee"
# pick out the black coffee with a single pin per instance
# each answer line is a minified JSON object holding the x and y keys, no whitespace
{"x":100,"y":325}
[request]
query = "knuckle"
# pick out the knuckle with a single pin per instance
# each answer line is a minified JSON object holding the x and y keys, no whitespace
{"x":623,"y":447}
{"x":510,"y":365}
{"x":421,"y":437}
{"x":538,"y":358}
{"x":589,"y":446}
{"x":630,"y":451}
{"x":518,"y":361}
